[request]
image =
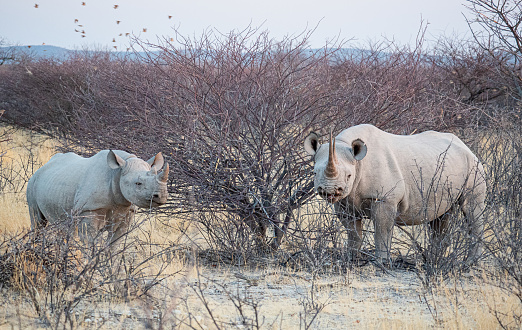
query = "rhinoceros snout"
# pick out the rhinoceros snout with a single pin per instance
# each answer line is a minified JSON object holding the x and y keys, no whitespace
{"x":159,"y":199}
{"x":331,"y":194}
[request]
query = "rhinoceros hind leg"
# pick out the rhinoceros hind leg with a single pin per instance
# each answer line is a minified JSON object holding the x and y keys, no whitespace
{"x":38,"y":220}
{"x":473,"y":209}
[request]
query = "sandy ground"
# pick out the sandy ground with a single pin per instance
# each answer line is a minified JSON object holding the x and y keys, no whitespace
{"x":214,"y":298}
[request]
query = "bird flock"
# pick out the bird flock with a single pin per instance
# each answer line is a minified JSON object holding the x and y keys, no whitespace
{"x":79,"y":28}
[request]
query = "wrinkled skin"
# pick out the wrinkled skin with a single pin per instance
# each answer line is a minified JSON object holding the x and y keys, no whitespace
{"x":398,"y":180}
{"x":103,"y":190}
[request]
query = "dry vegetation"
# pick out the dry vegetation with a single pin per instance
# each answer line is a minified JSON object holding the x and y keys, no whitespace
{"x":243,"y":242}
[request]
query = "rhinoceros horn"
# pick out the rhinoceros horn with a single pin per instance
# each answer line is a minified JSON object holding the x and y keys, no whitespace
{"x":331,"y":170}
{"x":163,"y":176}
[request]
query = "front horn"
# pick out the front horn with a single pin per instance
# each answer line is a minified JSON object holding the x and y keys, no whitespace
{"x":331,"y":169}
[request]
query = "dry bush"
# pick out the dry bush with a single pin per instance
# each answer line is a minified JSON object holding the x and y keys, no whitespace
{"x":59,"y":272}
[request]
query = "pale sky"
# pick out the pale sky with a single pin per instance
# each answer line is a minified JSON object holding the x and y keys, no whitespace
{"x":53,"y":22}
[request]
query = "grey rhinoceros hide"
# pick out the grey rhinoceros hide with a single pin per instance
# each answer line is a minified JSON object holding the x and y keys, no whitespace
{"x":102,"y":190}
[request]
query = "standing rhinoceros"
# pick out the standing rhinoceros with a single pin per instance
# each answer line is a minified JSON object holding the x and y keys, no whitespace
{"x":398,"y":180}
{"x":103,"y":189}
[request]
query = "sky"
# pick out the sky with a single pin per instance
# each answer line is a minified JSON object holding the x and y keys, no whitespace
{"x":77,"y":24}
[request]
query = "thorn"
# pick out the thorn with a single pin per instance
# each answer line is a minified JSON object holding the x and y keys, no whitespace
{"x":144,"y":30}
{"x":126,"y":34}
{"x":170,"y":16}
{"x":35,"y":5}
{"x":118,"y":22}
{"x":115,"y":6}
{"x":113,"y":39}
{"x":115,"y":47}
{"x":83,"y":35}
{"x":83,"y":3}
{"x":119,"y":35}
{"x":76,"y":20}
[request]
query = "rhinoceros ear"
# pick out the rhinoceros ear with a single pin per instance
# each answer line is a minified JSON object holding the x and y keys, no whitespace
{"x":359,"y":149}
{"x":156,"y":162}
{"x":311,"y":143}
{"x":114,"y":161}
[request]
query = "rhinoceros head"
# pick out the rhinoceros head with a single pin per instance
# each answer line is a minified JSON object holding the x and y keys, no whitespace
{"x":143,"y":183}
{"x":335,"y":165}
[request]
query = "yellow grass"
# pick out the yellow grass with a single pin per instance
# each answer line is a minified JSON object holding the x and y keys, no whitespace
{"x":22,"y":148}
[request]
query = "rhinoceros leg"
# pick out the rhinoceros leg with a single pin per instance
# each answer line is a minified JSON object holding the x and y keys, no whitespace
{"x":120,"y":224}
{"x":383,"y":215}
{"x":438,"y":228}
{"x":38,"y":220}
{"x":353,"y":224}
{"x":473,"y":209}
{"x":90,"y":224}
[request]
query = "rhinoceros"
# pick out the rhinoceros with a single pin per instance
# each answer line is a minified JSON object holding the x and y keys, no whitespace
{"x":103,"y":190}
{"x":398,"y":180}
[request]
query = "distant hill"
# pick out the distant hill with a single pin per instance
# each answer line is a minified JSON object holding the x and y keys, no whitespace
{"x":45,"y":51}
{"x":38,"y":50}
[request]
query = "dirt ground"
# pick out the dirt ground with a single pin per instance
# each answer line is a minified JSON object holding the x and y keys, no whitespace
{"x":211,"y":298}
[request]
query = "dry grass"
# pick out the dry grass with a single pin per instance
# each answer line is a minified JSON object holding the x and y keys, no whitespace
{"x":25,"y":152}
{"x":360,"y":300}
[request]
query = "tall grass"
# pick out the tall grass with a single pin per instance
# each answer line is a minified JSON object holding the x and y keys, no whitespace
{"x":23,"y":153}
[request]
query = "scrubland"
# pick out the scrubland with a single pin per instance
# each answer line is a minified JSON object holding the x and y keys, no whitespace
{"x":243,"y":241}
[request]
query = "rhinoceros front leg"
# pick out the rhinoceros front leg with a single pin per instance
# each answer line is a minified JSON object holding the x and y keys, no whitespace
{"x":120,"y":224}
{"x":383,"y":215}
{"x":90,"y":224}
{"x":353,"y":225}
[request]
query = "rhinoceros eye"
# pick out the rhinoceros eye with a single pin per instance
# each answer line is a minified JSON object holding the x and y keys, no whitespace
{"x":138,"y":183}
